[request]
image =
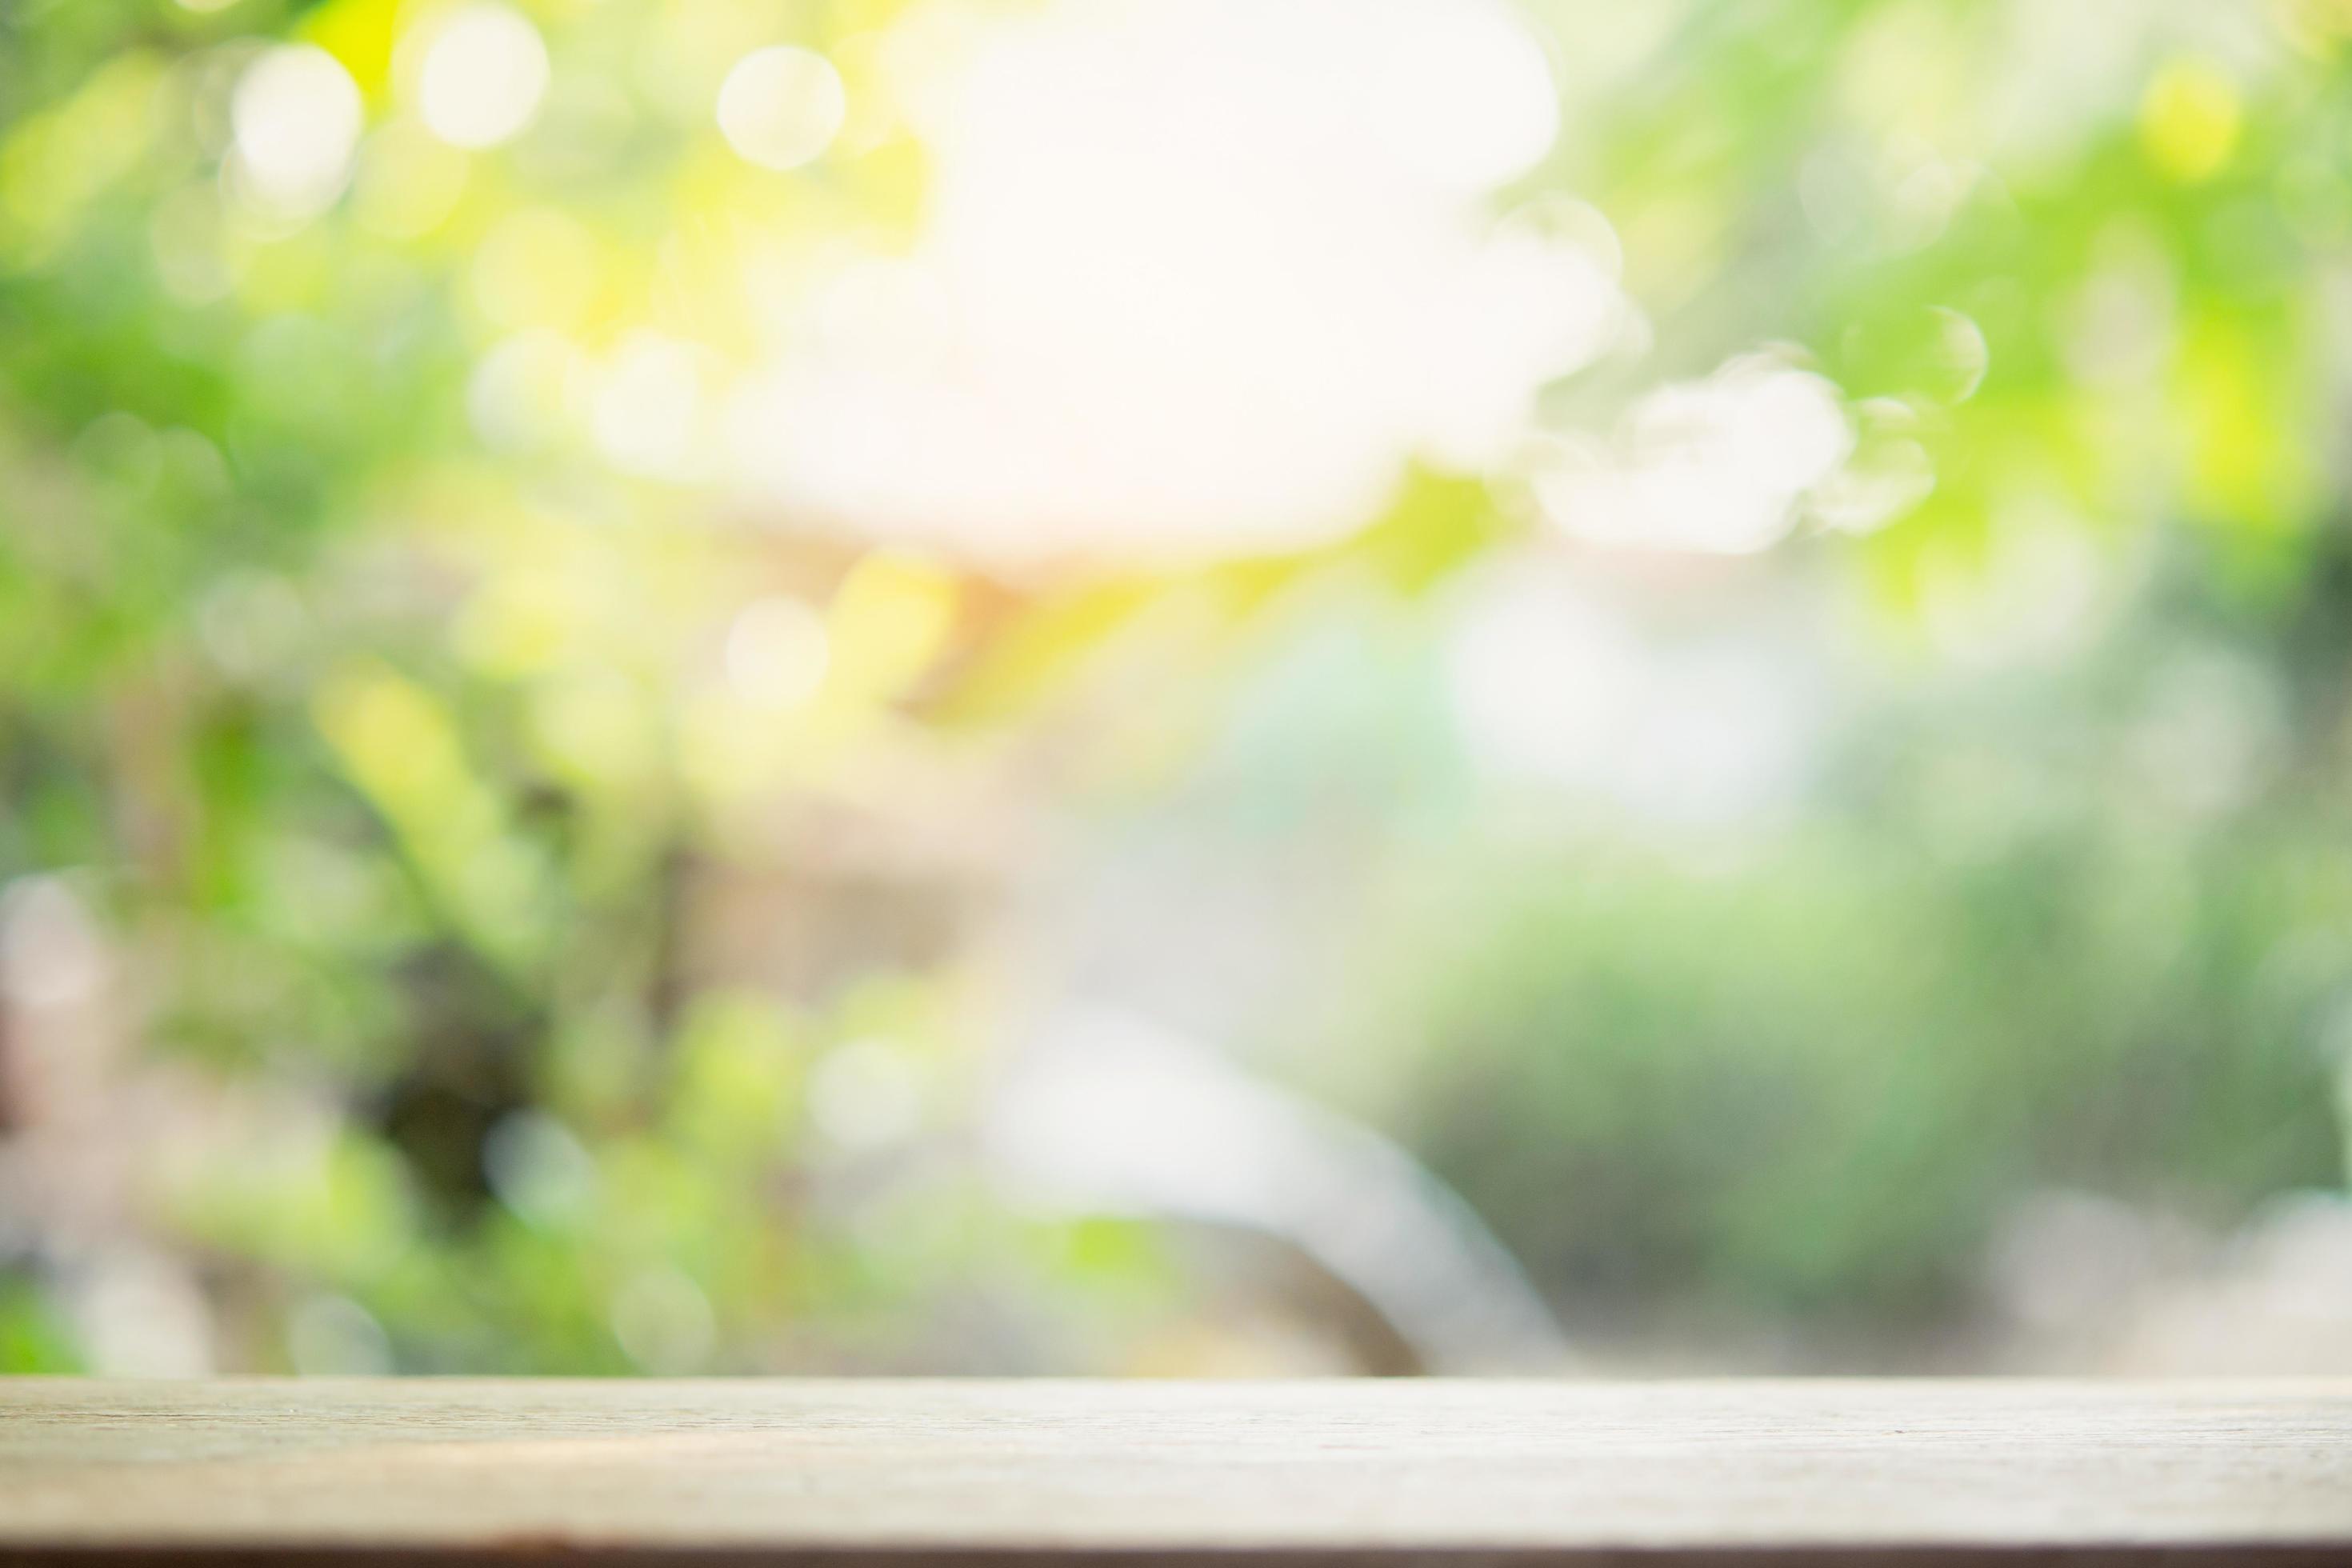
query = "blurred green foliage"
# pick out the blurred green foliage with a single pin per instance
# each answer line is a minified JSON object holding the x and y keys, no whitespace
{"x":392,"y":766}
{"x":1806,"y":1082}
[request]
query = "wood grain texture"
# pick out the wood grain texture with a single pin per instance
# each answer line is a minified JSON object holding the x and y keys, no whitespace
{"x":885,"y":1473}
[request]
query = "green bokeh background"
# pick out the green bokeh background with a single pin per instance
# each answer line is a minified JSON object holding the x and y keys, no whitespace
{"x":469,"y":961}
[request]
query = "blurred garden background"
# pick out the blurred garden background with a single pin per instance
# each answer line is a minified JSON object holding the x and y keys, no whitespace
{"x":1175,"y":686}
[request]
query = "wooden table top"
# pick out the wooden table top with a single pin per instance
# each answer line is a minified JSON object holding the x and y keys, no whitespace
{"x":1329,"y":1473}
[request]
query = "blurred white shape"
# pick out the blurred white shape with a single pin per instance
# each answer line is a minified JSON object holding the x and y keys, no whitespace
{"x":776,"y":651}
{"x":649,"y":410}
{"x":1725,"y":733}
{"x":1528,"y":305}
{"x":781,"y":107}
{"x":2277,"y":1301}
{"x":1196,"y":277}
{"x":1107,"y":1114}
{"x":141,"y":1315}
{"x":2094,"y":1284}
{"x":2301,"y":1248}
{"x":1716,"y":465}
{"x":1555,"y":687}
{"x":484,"y":74}
{"x":1461,"y":94}
{"x":887,"y":315}
{"x":296,"y":116}
{"x":866,"y":1094}
{"x":1544,"y":685}
{"x":2063,"y":1260}
{"x":1885,"y":479}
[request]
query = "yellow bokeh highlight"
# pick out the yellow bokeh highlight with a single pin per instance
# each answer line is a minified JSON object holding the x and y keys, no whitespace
{"x":2190,"y":119}
{"x":2245,"y":465}
{"x":359,"y":34}
{"x":889,"y":622}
